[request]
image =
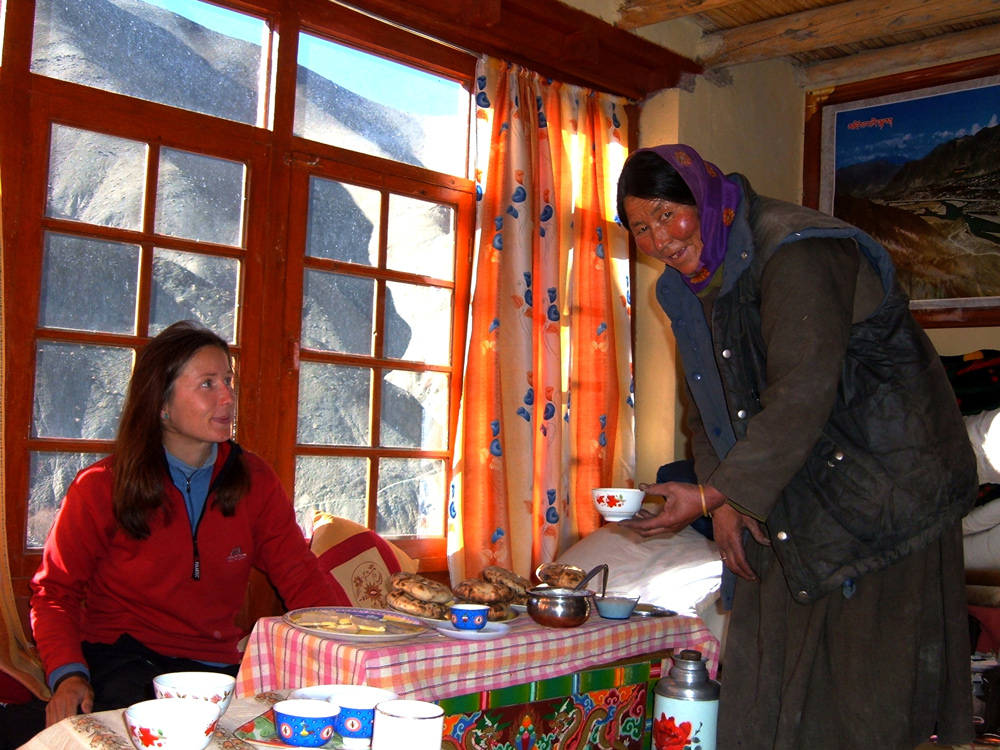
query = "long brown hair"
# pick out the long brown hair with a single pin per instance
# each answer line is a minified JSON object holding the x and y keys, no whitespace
{"x":139,"y":463}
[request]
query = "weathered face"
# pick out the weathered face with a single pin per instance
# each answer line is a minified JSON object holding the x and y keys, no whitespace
{"x":201,"y":407}
{"x":667,"y":231}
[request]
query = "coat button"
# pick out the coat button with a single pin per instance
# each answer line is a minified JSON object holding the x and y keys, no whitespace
{"x":782,"y":536}
{"x":803,"y":594}
{"x":742,"y":414}
{"x":839,"y":455}
{"x":696,"y":376}
{"x":727,"y":353}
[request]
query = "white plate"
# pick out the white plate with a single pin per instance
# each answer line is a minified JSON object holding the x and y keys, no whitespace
{"x":398,"y":626}
{"x":519,"y":608}
{"x":491,"y":630}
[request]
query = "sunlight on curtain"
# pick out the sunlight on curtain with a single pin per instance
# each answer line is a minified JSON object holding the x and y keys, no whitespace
{"x":547,"y":398}
{"x":17,"y":656}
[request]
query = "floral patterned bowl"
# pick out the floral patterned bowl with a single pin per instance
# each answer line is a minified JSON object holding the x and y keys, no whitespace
{"x":617,"y":504}
{"x":182,"y":724}
{"x":207,"y":686}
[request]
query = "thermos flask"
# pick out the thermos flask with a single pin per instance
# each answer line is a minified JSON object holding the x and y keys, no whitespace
{"x":686,"y":705}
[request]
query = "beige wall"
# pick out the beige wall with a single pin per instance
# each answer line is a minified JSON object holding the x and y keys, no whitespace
{"x":754,"y":125}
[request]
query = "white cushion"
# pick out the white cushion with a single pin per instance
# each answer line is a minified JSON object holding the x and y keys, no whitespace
{"x":679,"y":571}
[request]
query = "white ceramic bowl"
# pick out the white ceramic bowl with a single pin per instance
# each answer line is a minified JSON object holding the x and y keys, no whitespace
{"x":207,"y":686}
{"x":616,"y":605}
{"x":617,"y":503}
{"x":180,"y":724}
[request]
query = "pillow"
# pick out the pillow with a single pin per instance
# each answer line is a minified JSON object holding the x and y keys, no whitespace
{"x":360,"y":561}
{"x":679,"y":571}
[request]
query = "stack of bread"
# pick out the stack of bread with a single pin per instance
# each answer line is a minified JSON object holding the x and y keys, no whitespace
{"x":498,"y":587}
{"x":416,"y":595}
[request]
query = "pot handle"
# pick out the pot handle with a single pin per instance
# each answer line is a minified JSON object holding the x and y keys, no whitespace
{"x":591,"y":574}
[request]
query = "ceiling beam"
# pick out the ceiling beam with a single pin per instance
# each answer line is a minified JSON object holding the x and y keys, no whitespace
{"x":635,"y":13}
{"x":925,"y":53}
{"x":844,"y":23}
{"x":548,"y":37}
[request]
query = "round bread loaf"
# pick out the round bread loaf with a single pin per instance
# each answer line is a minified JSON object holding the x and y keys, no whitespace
{"x":508,"y":578}
{"x":499,"y":612}
{"x":403,"y":602}
{"x":483,"y":592}
{"x":559,"y":575}
{"x":421,"y":588}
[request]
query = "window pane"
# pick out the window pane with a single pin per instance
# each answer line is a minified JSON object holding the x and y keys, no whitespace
{"x":183,"y":53}
{"x":79,"y":390}
{"x":334,"y":404}
{"x":192,"y":286}
{"x":362,"y":102}
{"x":332,"y":485}
{"x":343,"y":222}
{"x":411,"y":497}
{"x":200,"y":198}
{"x":415,"y":410}
{"x":337,"y":312}
{"x":419,"y":326}
{"x":96,"y":178}
{"x":88,"y":285}
{"x":51,"y":474}
{"x":421,"y":237}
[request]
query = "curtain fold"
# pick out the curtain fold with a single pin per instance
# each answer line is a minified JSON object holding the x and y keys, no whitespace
{"x":546,"y":411}
{"x":18,"y":657}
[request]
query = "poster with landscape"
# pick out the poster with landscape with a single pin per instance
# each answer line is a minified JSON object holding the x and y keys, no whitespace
{"x":920,"y":172}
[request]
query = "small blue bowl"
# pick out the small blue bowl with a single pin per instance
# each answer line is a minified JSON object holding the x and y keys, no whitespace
{"x":356,"y":719}
{"x":469,"y":616}
{"x":304,"y":722}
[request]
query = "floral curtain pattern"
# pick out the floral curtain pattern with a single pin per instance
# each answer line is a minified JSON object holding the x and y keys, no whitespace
{"x":546,"y":409}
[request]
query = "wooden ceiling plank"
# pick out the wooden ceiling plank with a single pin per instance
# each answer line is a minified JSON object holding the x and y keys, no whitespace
{"x":921,"y":54}
{"x":844,"y":23}
{"x":635,"y":13}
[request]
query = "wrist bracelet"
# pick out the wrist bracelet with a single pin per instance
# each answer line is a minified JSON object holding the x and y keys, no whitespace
{"x":704,"y":507}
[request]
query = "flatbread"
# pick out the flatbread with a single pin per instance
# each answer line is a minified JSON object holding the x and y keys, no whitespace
{"x":559,"y":575}
{"x":421,"y":588}
{"x":483,"y":592}
{"x":508,"y":578}
{"x":403,"y":602}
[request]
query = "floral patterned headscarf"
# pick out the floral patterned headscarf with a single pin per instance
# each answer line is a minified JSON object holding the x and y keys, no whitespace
{"x":717,"y":198}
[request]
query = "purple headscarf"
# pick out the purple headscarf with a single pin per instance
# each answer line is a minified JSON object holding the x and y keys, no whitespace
{"x":717,"y":199}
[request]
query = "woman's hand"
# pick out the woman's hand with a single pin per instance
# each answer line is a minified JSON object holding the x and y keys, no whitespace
{"x":727,"y":527}
{"x":681,"y":506}
{"x":72,"y":695}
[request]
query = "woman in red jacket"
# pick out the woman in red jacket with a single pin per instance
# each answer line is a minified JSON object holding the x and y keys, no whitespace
{"x":147,"y":563}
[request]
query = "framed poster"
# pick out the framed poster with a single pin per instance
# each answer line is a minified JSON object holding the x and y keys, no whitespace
{"x":914,"y":161}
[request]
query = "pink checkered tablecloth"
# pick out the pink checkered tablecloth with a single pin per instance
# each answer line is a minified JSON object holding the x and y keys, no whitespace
{"x":433,"y":666}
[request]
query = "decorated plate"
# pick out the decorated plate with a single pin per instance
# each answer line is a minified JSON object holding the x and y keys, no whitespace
{"x":651,"y":610}
{"x":356,"y":624}
{"x":511,"y":616}
{"x":490,"y":631}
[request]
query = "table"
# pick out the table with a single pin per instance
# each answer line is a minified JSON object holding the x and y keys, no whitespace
{"x":585,"y":686}
{"x":106,"y":730}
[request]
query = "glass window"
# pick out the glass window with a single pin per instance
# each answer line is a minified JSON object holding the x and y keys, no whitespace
{"x":337,"y":312}
{"x":421,"y":237}
{"x":362,"y":102}
{"x":50,"y":476}
{"x":415,"y":410}
{"x":411,"y":496}
{"x":103,"y":298}
{"x":96,"y":178}
{"x":333,"y":404}
{"x":344,"y":222}
{"x":194,"y":286}
{"x":79,"y":390}
{"x":331,"y":485}
{"x":418,"y":328}
{"x":183,"y":53}
{"x":200,"y":197}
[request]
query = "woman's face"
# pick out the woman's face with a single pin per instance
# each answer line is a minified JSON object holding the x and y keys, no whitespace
{"x":201,"y":407}
{"x":667,"y":231}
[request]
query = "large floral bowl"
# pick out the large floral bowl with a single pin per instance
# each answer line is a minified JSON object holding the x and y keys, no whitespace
{"x":181,"y":724}
{"x":206,"y":686}
{"x":617,"y":504}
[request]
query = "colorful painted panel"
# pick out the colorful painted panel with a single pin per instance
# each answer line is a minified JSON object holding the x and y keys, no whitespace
{"x":614,"y":719}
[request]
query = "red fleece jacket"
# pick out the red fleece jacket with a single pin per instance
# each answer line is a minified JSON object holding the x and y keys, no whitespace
{"x":96,"y":583}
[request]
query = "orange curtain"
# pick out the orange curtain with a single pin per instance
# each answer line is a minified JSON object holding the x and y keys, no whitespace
{"x":546,"y":404}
